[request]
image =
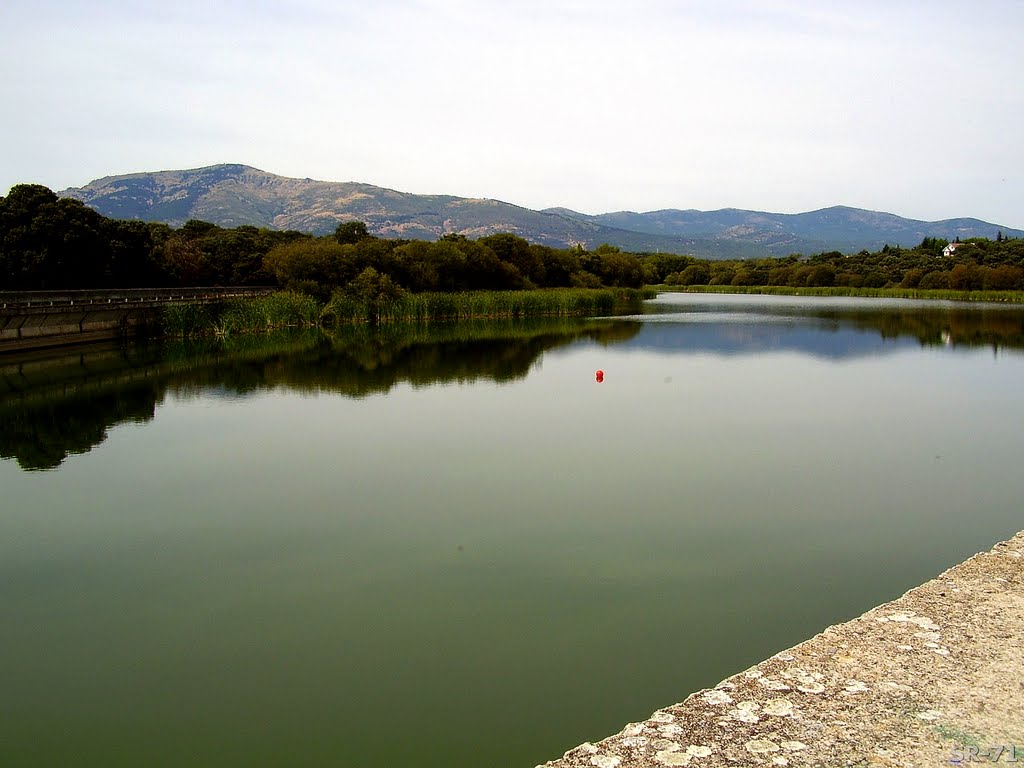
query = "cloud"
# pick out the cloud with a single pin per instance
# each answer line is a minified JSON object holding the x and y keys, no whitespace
{"x":783,"y":105}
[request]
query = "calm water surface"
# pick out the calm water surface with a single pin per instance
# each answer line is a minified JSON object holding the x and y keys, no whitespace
{"x":454,"y":547}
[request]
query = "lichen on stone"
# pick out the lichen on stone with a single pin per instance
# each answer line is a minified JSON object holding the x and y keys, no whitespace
{"x":761,"y":746}
{"x":779,"y":708}
{"x":773,"y":684}
{"x":700,"y":750}
{"x":716,"y":698}
{"x":811,"y":688}
{"x":665,"y":745}
{"x":909,"y":617}
{"x":633,"y":729}
{"x":855,"y":686}
{"x":745,"y":712}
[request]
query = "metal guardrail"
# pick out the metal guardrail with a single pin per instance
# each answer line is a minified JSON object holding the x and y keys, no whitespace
{"x":13,"y":302}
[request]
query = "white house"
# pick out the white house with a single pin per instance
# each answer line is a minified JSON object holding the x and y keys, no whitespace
{"x":948,"y":250}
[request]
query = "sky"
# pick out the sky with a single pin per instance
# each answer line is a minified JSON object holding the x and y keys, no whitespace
{"x":781,"y":105}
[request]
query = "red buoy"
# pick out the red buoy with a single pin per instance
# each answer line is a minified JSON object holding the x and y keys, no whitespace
{"x":600,"y":376}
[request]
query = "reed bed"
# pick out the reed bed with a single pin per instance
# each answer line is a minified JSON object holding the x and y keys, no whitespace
{"x":295,"y":310}
{"x":1014,"y":297}
{"x":258,"y":314}
{"x":285,"y":309}
{"x":445,"y":307}
{"x":457,"y":331}
{"x":186,"y":320}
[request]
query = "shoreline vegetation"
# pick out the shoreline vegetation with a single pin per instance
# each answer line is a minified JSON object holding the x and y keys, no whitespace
{"x":932,"y":294}
{"x":290,"y":309}
{"x":351,"y":276}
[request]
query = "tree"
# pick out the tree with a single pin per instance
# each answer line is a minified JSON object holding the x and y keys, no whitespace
{"x":485,"y":271}
{"x":933,"y":280}
{"x":721,"y":274}
{"x":560,"y":266}
{"x":620,"y":269}
{"x":49,"y":242}
{"x":875,"y":279}
{"x":314,"y":266}
{"x":371,"y":286}
{"x":184,"y":262}
{"x":965,"y":277}
{"x":351,"y":232}
{"x":449,"y":259}
{"x":742,"y":276}
{"x":912,"y":278}
{"x":518,"y":253}
{"x":664,"y":264}
{"x":821,"y":275}
{"x":695,"y":274}
{"x":196,"y":228}
{"x":1003,"y":278}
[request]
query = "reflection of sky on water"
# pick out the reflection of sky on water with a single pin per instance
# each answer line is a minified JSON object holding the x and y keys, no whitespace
{"x":828,"y":327}
{"x":753,"y":334}
{"x":698,"y":302}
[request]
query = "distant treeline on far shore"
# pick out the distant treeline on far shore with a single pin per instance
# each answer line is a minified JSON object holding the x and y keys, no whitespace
{"x":52,"y":243}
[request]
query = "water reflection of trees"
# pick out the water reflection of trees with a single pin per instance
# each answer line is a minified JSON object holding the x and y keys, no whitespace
{"x":51,"y":409}
{"x":44,"y":435}
{"x":967,"y":326}
{"x":55,"y":407}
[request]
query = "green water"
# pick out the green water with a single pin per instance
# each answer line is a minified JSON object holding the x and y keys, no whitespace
{"x":453,"y":547}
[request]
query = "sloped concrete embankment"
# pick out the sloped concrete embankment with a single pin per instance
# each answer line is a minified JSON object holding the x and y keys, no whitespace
{"x":932,"y":678}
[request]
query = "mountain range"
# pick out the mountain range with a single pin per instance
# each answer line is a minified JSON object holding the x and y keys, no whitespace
{"x":232,"y":195}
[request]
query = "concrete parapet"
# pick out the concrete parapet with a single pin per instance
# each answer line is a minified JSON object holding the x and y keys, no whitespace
{"x":933,"y":678}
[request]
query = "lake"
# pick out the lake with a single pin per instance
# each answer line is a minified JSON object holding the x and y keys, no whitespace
{"x":452,"y":546}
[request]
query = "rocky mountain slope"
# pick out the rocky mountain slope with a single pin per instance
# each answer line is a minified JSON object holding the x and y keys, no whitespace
{"x":232,"y":195}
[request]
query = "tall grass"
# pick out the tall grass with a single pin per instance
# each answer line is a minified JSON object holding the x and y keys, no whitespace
{"x":295,"y":310}
{"x":885,"y":293}
{"x":279,"y":310}
{"x":437,"y":307}
{"x":246,"y":315}
{"x":185,"y":320}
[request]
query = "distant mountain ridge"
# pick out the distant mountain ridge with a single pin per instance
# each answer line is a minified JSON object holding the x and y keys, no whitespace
{"x":232,"y":195}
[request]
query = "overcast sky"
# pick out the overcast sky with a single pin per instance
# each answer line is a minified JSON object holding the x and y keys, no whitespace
{"x":915,"y":108}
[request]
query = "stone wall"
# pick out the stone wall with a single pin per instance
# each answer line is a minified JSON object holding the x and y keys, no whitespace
{"x":933,"y":678}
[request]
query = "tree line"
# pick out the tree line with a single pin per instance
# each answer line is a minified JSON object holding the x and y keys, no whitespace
{"x":53,"y":243}
{"x":976,"y":264}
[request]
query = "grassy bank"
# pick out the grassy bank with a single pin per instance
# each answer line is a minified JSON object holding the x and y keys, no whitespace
{"x":1014,"y":297}
{"x":294,"y":310}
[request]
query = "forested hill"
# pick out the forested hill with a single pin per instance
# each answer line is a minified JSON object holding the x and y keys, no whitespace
{"x":233,"y":195}
{"x":839,"y":228}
